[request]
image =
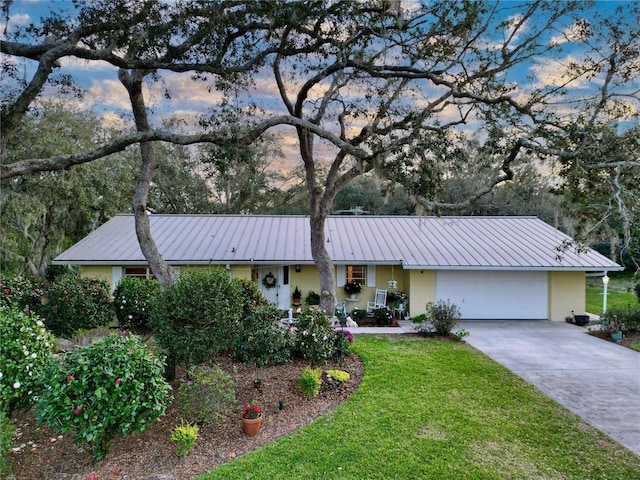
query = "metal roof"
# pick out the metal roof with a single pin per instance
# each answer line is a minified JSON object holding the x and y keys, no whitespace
{"x":478,"y":243}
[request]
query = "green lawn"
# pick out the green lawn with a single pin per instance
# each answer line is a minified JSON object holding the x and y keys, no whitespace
{"x":615,"y":298}
{"x":435,"y":409}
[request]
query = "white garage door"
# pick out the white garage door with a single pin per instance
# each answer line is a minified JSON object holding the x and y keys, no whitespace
{"x":495,"y":295}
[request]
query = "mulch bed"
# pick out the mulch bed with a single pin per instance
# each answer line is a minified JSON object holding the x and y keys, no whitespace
{"x":43,"y":453}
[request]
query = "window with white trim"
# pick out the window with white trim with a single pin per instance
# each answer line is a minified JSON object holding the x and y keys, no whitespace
{"x":357,"y":273}
{"x":139,"y":272}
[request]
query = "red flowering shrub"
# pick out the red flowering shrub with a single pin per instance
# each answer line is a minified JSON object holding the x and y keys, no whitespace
{"x":72,"y":303}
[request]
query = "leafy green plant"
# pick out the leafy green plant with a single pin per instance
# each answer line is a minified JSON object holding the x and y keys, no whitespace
{"x":339,"y":375}
{"x":310,"y":381}
{"x":352,"y":288}
{"x":7,"y":430}
{"x":25,"y":349}
{"x":312,"y":298}
{"x":251,"y":297}
{"x":207,"y":394}
{"x":197,"y":317}
{"x":73,"y":303}
{"x":637,"y":290}
{"x":622,"y":318}
{"x":359,"y":316}
{"x":133,"y":300}
{"x":382,"y":316}
{"x":262,"y":341}
{"x":462,"y":333}
{"x":315,"y":338}
{"x":184,"y":436}
{"x":441,"y":317}
{"x":112,"y":387}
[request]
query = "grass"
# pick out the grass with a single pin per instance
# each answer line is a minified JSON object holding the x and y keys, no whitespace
{"x":633,"y":346}
{"x":619,"y":293}
{"x":435,"y":409}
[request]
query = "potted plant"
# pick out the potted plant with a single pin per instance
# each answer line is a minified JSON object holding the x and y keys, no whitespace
{"x":297,"y":295}
{"x":359,"y":315}
{"x":251,"y":419}
{"x":615,"y":328}
{"x":312,"y":298}
{"x":382,"y":316}
{"x":352,"y":288}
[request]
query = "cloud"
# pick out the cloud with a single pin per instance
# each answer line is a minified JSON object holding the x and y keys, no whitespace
{"x":573,"y":33}
{"x":554,"y":73}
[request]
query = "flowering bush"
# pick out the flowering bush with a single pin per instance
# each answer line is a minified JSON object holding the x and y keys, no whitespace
{"x":344,"y":344}
{"x":19,"y":292}
{"x":197,"y":317}
{"x":251,"y":412}
{"x":441,"y":317}
{"x":25,"y":348}
{"x":315,"y":338}
{"x":112,"y":387}
{"x":133,"y":299}
{"x":73,"y":303}
{"x":207,"y":394}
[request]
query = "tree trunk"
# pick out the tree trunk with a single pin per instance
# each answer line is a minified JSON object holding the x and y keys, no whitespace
{"x":133,"y":83}
{"x":323,"y":262}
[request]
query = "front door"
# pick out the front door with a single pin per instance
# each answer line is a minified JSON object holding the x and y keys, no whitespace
{"x":274,"y":285}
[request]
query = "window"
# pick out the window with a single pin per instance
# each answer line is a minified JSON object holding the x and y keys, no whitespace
{"x":139,"y":272}
{"x":357,"y":273}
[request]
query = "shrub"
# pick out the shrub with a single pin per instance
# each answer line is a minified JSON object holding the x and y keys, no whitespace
{"x":443,"y":315}
{"x":112,"y":387}
{"x":310,"y":381}
{"x":344,"y":344}
{"x":73,"y":303}
{"x":315,"y":338}
{"x":25,"y":348}
{"x":637,"y":289}
{"x":339,"y":375}
{"x":251,"y":297}
{"x":7,"y":431}
{"x":207,"y":394}
{"x":20,"y":292}
{"x":312,"y":298}
{"x":197,"y":317}
{"x":185,"y":437}
{"x":133,"y":299}
{"x":262,"y":341}
{"x":628,"y":317}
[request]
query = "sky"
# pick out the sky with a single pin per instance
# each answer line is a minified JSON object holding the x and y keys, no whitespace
{"x":105,"y":93}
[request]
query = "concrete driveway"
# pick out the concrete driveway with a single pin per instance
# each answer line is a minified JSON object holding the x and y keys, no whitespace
{"x":596,"y":379}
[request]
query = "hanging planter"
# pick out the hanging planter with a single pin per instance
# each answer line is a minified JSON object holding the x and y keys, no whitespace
{"x":269,"y":281}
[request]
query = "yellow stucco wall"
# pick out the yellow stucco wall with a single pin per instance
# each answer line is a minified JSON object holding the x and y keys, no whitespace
{"x":566,"y":294}
{"x":97,"y":271}
{"x":422,"y":290}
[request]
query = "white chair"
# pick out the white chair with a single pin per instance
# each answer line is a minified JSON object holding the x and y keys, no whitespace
{"x":379,"y":301}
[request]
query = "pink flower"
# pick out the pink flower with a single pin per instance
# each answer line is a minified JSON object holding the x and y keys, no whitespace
{"x":69,"y":378}
{"x":118,"y":381}
{"x":77,"y":411}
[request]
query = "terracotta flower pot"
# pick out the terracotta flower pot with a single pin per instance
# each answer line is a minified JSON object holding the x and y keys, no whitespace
{"x":250,"y":426}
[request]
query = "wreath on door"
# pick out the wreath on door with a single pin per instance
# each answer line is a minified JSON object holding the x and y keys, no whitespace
{"x":269,"y":281}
